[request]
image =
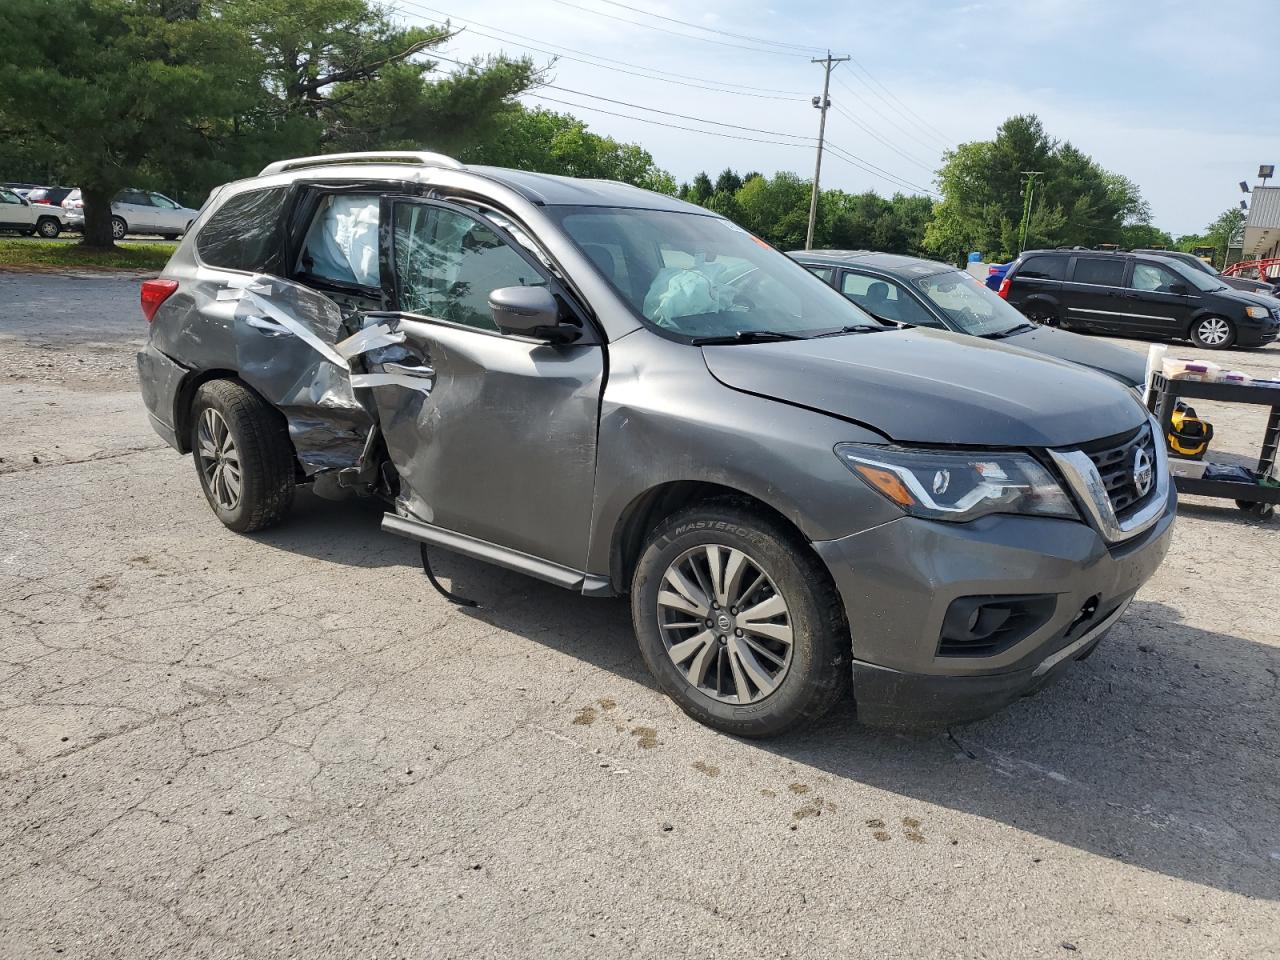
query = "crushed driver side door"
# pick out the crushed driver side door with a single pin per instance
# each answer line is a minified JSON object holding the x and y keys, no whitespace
{"x":493,"y":435}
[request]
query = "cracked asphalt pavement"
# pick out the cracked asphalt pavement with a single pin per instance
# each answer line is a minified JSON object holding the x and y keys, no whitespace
{"x":288,"y":745}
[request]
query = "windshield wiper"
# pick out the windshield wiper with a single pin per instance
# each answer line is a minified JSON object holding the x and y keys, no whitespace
{"x":1001,"y":334}
{"x":746,"y":336}
{"x":853,"y":328}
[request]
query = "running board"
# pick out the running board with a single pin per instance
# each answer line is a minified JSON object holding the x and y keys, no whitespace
{"x":486,"y":551}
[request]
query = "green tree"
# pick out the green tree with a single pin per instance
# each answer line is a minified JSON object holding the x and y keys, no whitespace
{"x":353,"y":76}
{"x":1073,"y":200}
{"x":184,"y":94}
{"x":549,"y":142}
{"x":121,"y":87}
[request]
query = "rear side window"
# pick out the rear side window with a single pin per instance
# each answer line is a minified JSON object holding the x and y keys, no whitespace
{"x":1043,"y":268}
{"x":1101,"y":272}
{"x":244,"y":233}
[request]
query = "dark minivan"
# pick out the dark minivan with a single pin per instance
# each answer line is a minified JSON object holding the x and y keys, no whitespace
{"x":1137,"y":295}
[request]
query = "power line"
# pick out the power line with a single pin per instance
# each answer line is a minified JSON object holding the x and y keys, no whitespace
{"x":676,"y":33}
{"x":889,"y":120}
{"x":872,"y":133}
{"x":659,"y":123}
{"x":638,"y":70}
{"x":881,"y":172}
{"x":723,"y":33}
{"x":925,"y":124}
{"x":681,"y":116}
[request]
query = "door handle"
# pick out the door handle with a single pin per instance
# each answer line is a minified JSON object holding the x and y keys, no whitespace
{"x":268,"y":327}
{"x":409,"y":371}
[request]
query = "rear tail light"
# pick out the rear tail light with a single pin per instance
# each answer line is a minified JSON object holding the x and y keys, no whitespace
{"x":154,"y":293}
{"x":1004,"y":287}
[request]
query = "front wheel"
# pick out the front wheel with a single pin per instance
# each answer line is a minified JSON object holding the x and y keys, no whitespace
{"x":243,"y":456}
{"x":118,"y":228}
{"x":1042,"y":315}
{"x":738,"y":622}
{"x":1213,"y":333}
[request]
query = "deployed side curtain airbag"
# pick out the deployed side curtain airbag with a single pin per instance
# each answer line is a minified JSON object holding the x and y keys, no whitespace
{"x":342,"y":243}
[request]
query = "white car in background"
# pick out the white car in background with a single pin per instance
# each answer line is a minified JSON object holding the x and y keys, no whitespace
{"x":136,"y":211}
{"x":18,"y":213}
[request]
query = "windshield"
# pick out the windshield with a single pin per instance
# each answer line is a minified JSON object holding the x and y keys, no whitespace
{"x":970,"y":305}
{"x":702,"y":276}
{"x":1201,"y":281}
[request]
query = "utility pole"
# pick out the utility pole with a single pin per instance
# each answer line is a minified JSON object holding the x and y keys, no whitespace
{"x":1028,"y":193}
{"x":821,"y":104}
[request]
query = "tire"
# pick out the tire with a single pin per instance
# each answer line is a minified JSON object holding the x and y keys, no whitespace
{"x":1042,"y":315}
{"x":119,"y":229}
{"x":801,"y":681}
{"x":259,"y":447}
{"x":1263,"y":511}
{"x":1213,"y":333}
{"x":49,"y":228}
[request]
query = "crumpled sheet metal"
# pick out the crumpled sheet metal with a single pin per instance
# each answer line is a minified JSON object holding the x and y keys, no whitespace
{"x":292,"y":347}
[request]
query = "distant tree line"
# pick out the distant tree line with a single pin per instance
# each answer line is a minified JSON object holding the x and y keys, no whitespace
{"x":180,"y":95}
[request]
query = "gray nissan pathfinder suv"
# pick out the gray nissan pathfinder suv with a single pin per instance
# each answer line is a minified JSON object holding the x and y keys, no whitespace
{"x":621,"y":393}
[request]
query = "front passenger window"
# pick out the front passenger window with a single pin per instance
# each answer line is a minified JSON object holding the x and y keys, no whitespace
{"x":448,"y":263}
{"x":1147,"y":276}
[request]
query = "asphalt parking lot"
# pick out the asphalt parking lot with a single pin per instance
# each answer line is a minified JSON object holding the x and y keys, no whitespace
{"x":288,"y":745}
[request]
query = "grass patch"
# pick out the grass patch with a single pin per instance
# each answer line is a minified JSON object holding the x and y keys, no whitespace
{"x":47,"y":254}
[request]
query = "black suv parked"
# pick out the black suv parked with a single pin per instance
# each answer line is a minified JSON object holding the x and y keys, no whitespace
{"x":1138,"y":295}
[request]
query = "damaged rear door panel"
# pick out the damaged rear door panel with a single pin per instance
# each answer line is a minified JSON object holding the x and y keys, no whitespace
{"x":268,"y":332}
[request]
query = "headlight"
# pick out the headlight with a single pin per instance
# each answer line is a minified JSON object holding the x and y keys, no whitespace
{"x":958,"y":486}
{"x":1258,"y":313}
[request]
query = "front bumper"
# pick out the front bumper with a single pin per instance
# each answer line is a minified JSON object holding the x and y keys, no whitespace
{"x":898,"y":580}
{"x":1257,"y":336}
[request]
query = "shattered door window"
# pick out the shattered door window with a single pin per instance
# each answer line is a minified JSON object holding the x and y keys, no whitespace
{"x":447,"y":264}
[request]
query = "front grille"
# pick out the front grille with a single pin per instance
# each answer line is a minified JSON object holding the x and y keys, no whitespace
{"x":1113,"y":458}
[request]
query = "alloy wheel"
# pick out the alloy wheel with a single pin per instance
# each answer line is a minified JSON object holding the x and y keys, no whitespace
{"x":219,"y":459}
{"x":726,"y":627}
{"x":117,"y":228}
{"x":1213,"y":331}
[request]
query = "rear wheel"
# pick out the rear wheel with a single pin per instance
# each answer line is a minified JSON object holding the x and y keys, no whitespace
{"x":49,"y":228}
{"x":1213,"y":333}
{"x":118,"y":228}
{"x":243,"y":456}
{"x":738,"y":622}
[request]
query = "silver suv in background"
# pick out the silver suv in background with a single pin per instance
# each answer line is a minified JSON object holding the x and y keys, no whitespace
{"x":136,"y":211}
{"x":624,"y":394}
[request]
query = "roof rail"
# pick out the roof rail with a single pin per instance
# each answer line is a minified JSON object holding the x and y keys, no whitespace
{"x":419,"y":157}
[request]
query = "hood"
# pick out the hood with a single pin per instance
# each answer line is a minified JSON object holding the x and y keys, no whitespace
{"x":1252,"y":299}
{"x":931,"y":387}
{"x":1124,"y":365}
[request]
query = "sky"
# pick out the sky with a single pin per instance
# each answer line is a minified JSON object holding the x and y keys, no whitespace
{"x":1157,"y":91}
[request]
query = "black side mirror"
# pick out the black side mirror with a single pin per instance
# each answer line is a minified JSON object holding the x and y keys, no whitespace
{"x":1179,"y":288}
{"x":530,"y":312}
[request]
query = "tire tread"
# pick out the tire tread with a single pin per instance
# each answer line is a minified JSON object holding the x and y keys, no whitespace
{"x":266,"y":452}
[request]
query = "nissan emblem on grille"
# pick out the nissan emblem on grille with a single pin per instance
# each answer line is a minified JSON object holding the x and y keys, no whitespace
{"x":1142,"y":472}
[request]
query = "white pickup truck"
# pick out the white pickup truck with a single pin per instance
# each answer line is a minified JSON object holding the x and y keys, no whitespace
{"x":16,"y":213}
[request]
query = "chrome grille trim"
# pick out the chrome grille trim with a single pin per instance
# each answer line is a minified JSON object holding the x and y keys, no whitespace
{"x":1091,"y":492}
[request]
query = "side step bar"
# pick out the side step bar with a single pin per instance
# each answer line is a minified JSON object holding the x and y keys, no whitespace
{"x":488,"y":552}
